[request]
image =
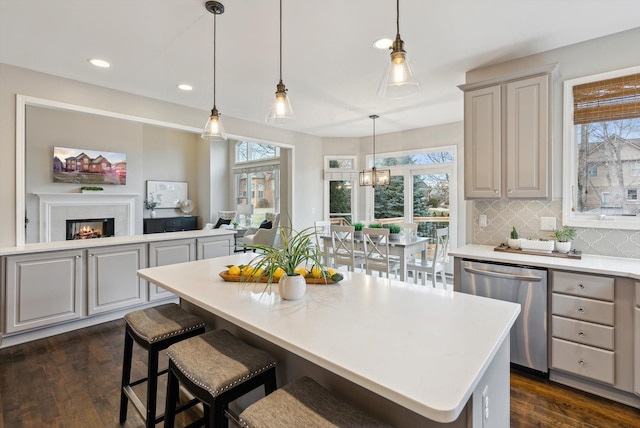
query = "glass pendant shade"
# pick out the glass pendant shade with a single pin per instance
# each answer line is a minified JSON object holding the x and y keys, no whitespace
{"x":374,"y":177}
{"x":399,"y":80}
{"x":281,"y":111}
{"x":213,"y":130}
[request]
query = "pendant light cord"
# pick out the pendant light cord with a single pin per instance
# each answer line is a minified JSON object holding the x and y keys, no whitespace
{"x":398,"y":17}
{"x":214,"y":60}
{"x":281,"y":41}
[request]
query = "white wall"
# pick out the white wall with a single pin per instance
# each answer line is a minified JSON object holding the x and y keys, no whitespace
{"x":308,"y":149}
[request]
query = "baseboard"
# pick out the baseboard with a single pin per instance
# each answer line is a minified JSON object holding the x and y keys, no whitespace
{"x":595,"y":388}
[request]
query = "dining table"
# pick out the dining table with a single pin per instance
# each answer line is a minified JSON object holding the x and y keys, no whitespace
{"x":405,"y":248}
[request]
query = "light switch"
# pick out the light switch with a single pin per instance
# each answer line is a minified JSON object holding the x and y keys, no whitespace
{"x":547,"y":223}
{"x":482,"y":220}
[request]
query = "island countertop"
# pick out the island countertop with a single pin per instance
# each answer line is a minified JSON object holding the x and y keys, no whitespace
{"x":425,"y":349}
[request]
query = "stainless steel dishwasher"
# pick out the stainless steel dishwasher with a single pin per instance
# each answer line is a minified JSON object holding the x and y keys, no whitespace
{"x":519,"y":284}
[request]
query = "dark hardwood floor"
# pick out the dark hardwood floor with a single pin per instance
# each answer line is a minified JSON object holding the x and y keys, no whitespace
{"x":73,"y":379}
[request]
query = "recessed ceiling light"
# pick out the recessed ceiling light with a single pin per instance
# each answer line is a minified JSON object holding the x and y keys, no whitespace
{"x":185,"y":87}
{"x":383,"y":44}
{"x":99,"y":63}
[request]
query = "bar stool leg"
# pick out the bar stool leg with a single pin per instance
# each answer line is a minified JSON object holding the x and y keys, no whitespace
{"x":152,"y":387}
{"x":126,"y":375}
{"x":172,"y":398}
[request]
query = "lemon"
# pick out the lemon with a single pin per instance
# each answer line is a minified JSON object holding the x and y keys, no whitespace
{"x":256,"y":273}
{"x":247,"y":270}
{"x":316,"y":272}
{"x":302,"y":272}
{"x":234,"y":270}
{"x":331,"y":271}
{"x":277,"y":274}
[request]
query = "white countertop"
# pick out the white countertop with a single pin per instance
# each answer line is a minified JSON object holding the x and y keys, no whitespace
{"x":589,"y":263}
{"x":114,"y":240}
{"x":423,"y":348}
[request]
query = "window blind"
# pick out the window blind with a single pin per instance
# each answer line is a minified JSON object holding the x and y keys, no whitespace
{"x":611,"y":99}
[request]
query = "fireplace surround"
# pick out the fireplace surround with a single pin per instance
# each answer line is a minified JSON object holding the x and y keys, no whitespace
{"x":57,"y":208}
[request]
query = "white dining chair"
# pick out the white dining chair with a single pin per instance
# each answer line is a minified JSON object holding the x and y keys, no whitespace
{"x":322,"y":229}
{"x":344,"y":252}
{"x":376,"y":252}
{"x":434,"y":264}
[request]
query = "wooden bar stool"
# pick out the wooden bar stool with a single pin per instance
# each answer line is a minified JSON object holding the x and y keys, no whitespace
{"x":304,"y":403}
{"x":154,"y":329}
{"x":217,"y":368}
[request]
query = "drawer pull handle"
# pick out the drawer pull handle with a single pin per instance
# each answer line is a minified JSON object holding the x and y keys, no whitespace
{"x":581,"y":310}
{"x":581,"y":362}
{"x":581,"y":287}
{"x":581,"y":334}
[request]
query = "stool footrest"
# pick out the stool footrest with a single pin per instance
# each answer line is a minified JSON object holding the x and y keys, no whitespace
{"x":144,"y":379}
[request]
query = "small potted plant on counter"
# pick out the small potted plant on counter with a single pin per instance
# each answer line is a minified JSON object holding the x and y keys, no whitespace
{"x":513,"y":241}
{"x":564,"y":236}
{"x":357,"y":227}
{"x":150,"y":204}
{"x":394,"y":231}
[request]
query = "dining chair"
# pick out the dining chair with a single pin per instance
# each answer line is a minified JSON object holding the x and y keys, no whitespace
{"x":344,"y":252}
{"x":376,"y":251}
{"x":436,"y":263}
{"x":323,"y":228}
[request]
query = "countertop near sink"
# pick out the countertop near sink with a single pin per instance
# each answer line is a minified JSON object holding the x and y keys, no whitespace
{"x":604,"y":265}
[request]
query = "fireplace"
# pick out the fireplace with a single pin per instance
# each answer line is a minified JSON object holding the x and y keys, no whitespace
{"x":89,"y":228}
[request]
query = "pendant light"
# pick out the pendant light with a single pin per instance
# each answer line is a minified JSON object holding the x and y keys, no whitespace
{"x":398,"y":80}
{"x":374,"y":177}
{"x":213,"y":130}
{"x":281,"y":111}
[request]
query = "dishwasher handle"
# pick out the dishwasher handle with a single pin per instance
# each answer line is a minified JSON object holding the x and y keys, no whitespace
{"x":529,"y":278}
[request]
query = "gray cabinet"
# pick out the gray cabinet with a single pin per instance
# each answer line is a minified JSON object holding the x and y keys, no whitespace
{"x":43,"y":289}
{"x":168,"y":253}
{"x":112,"y":280}
{"x":636,"y":316}
{"x":507,"y":138}
{"x":208,"y":248}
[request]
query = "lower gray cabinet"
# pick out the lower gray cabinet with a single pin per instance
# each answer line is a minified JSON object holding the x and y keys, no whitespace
{"x":112,"y":282}
{"x":168,"y":253}
{"x":43,"y":289}
{"x":637,"y":340}
{"x":208,"y":248}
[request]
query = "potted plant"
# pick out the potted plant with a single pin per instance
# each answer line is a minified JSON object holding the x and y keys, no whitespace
{"x":394,"y":231}
{"x":87,"y":189}
{"x":357,"y":227}
{"x":150,"y":204}
{"x":235,"y":224}
{"x":564,"y":236}
{"x":287,"y":264}
{"x":513,"y":241}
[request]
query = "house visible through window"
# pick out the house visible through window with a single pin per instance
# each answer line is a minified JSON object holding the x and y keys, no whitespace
{"x":604,"y":135}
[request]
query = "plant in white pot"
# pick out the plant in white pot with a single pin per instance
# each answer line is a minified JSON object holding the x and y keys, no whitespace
{"x":287,"y":263}
{"x":513,"y":241}
{"x":564,"y":236}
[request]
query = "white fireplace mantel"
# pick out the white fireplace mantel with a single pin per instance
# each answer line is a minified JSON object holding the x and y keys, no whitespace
{"x":55,"y":208}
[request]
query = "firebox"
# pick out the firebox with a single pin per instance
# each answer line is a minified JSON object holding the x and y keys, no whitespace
{"x":88,"y":228}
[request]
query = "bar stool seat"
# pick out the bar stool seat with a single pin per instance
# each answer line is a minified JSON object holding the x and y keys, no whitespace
{"x":304,"y":403}
{"x":154,"y":329}
{"x":217,"y":368}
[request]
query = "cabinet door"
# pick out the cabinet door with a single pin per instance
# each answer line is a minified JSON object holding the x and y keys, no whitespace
{"x":112,"y":281}
{"x":482,"y":143}
{"x":43,"y":289}
{"x":637,"y":341}
{"x":153,"y":225}
{"x":168,"y":253}
{"x":527,"y":138}
{"x":208,"y":248}
{"x":190,"y":223}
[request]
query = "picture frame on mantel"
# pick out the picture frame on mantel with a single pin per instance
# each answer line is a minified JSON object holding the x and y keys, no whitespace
{"x":168,"y":194}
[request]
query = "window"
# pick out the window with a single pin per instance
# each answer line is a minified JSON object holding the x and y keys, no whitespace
{"x":340,"y":174}
{"x":602,"y":150}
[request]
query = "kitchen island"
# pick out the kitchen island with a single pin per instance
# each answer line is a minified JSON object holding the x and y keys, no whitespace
{"x":408,"y":354}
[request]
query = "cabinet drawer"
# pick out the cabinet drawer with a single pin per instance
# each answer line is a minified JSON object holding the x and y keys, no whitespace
{"x":582,"y":309}
{"x":597,"y":287}
{"x":582,"y":332}
{"x":172,"y":225}
{"x":583,"y":360}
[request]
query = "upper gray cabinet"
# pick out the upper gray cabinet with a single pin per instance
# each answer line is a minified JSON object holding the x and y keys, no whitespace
{"x":507,"y":137}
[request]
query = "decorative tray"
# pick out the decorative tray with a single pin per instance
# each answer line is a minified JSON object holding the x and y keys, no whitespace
{"x":264,"y":278}
{"x":573,"y":254}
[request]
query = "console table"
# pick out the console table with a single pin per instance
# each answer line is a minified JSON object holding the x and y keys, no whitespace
{"x":170,"y":224}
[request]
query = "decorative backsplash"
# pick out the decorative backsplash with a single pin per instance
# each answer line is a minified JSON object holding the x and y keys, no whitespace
{"x":525,"y":216}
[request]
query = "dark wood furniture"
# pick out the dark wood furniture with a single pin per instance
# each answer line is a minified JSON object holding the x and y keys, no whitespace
{"x":170,"y":224}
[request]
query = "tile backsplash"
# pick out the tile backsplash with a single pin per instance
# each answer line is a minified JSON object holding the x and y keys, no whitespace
{"x":525,"y":216}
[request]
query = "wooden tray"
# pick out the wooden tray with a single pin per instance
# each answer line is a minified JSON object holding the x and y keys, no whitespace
{"x":239,"y":278}
{"x":573,"y":254}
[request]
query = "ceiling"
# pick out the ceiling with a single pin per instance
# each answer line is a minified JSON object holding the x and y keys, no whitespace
{"x":329,"y":65}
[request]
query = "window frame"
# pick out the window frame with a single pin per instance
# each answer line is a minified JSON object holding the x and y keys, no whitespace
{"x":352,"y":173}
{"x":569,"y":154}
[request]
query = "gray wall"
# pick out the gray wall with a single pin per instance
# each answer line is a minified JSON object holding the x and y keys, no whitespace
{"x":600,"y":55}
